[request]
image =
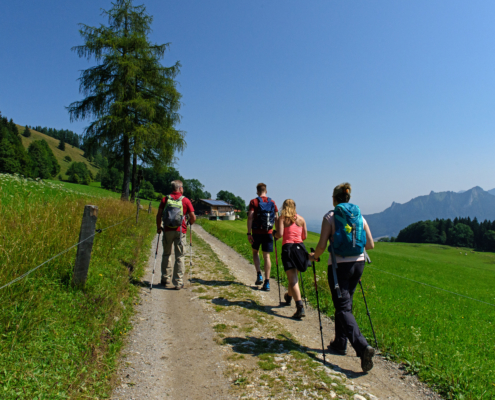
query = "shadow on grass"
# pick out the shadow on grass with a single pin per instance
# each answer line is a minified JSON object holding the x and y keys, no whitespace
{"x":282,"y":345}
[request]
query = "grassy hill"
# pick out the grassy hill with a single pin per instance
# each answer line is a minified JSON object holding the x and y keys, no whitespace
{"x":433,"y":308}
{"x":73,"y":152}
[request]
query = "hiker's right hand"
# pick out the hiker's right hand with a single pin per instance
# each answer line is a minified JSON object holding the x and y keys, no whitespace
{"x":250,"y":238}
{"x":159,"y":230}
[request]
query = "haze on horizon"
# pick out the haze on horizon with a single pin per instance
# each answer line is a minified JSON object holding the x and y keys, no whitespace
{"x":396,"y":98}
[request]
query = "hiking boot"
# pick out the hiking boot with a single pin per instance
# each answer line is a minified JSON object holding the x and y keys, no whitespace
{"x":164,"y":282}
{"x":300,"y":313}
{"x":333,"y":347}
{"x":266,"y":286}
{"x":259,"y":279}
{"x":287,"y":299}
{"x":367,"y":359}
{"x":179,"y":287}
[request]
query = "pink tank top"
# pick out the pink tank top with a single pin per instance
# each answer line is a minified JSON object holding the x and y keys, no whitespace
{"x":292,"y":234}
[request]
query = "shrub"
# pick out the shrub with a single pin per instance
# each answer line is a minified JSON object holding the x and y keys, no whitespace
{"x":80,"y":170}
{"x":112,"y":179}
{"x":147,"y":191}
{"x":159,"y":196}
{"x":242,"y":214}
{"x":68,"y":159}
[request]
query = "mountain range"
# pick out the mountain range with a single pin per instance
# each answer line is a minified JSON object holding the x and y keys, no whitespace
{"x":475,"y":202}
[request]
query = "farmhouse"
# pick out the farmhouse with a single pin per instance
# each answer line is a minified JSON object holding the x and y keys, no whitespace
{"x":217,"y":208}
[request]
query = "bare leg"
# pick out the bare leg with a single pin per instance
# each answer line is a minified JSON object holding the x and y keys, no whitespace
{"x":256,"y":260}
{"x":293,"y":285}
{"x":268,"y":264}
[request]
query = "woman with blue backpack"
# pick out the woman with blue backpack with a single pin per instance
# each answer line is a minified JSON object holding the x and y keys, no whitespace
{"x":348,"y":235}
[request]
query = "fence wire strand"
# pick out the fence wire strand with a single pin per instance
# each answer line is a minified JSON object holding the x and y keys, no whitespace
{"x":62,"y":252}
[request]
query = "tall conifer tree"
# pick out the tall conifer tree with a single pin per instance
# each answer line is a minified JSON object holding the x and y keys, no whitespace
{"x":126,"y":90}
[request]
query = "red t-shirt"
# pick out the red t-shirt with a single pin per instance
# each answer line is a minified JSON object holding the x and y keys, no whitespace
{"x":187,"y":207}
{"x":254,"y":206}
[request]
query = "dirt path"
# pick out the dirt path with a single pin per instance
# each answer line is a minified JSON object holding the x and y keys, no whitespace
{"x":223,"y":338}
{"x":170,"y":352}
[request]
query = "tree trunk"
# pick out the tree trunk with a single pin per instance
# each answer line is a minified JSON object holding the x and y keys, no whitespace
{"x":134,"y":181}
{"x":127,"y":168}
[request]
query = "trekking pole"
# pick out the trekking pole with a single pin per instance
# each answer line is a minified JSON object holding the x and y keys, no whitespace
{"x":367,"y":258}
{"x":302,"y":285}
{"x":278,"y":277}
{"x":154,"y":265}
{"x":318,"y":306}
{"x":368,"y":312}
{"x":190,"y":261}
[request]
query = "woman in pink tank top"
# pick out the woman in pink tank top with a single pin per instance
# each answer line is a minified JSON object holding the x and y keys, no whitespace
{"x":292,"y":228}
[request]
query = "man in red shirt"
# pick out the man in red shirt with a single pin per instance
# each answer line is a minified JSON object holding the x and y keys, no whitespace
{"x":174,"y":236}
{"x":260,"y":237}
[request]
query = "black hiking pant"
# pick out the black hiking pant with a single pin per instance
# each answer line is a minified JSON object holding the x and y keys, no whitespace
{"x":346,"y":327}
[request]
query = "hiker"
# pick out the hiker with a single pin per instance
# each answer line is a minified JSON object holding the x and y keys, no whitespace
{"x":173,"y":211}
{"x":349,"y":271}
{"x":292,"y":227}
{"x":262,"y":216}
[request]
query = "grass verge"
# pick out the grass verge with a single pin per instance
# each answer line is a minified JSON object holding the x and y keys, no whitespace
{"x":58,"y":342}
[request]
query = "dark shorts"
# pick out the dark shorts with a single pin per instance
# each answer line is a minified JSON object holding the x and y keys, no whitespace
{"x":265,"y":240}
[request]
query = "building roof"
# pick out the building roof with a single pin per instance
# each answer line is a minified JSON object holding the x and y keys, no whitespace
{"x":216,"y":203}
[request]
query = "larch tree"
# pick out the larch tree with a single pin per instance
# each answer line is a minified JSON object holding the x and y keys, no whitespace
{"x":125,"y":93}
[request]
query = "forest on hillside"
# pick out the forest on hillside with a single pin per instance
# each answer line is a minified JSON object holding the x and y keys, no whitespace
{"x":461,"y":232}
{"x":64,"y":135}
{"x":37,"y":161}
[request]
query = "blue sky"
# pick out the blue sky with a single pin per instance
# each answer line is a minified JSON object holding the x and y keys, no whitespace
{"x":397,"y":98}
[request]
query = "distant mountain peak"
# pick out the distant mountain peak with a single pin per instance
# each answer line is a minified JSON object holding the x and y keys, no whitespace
{"x":474,"y":202}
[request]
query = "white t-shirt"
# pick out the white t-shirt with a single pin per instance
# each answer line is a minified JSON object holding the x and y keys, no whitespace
{"x":331,"y":220}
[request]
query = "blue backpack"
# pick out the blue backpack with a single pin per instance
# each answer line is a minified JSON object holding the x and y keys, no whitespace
{"x":349,"y":238}
{"x":266,"y":215}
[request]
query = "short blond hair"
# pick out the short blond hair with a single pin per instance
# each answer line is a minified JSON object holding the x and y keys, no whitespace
{"x":176,"y":185}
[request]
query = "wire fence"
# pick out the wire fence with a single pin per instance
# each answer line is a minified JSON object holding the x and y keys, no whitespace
{"x":61,"y":253}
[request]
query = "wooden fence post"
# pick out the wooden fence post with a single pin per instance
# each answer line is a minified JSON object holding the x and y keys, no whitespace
{"x":149,"y":208}
{"x":138,"y":203}
{"x":83,"y":256}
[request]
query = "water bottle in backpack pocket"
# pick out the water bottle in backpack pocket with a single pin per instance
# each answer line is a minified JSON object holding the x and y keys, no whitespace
{"x":173,"y":213}
{"x":266,"y":215}
{"x":349,"y":238}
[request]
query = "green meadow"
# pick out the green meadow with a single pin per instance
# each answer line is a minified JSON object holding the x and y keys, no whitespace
{"x":57,"y":342}
{"x":446,"y":339}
